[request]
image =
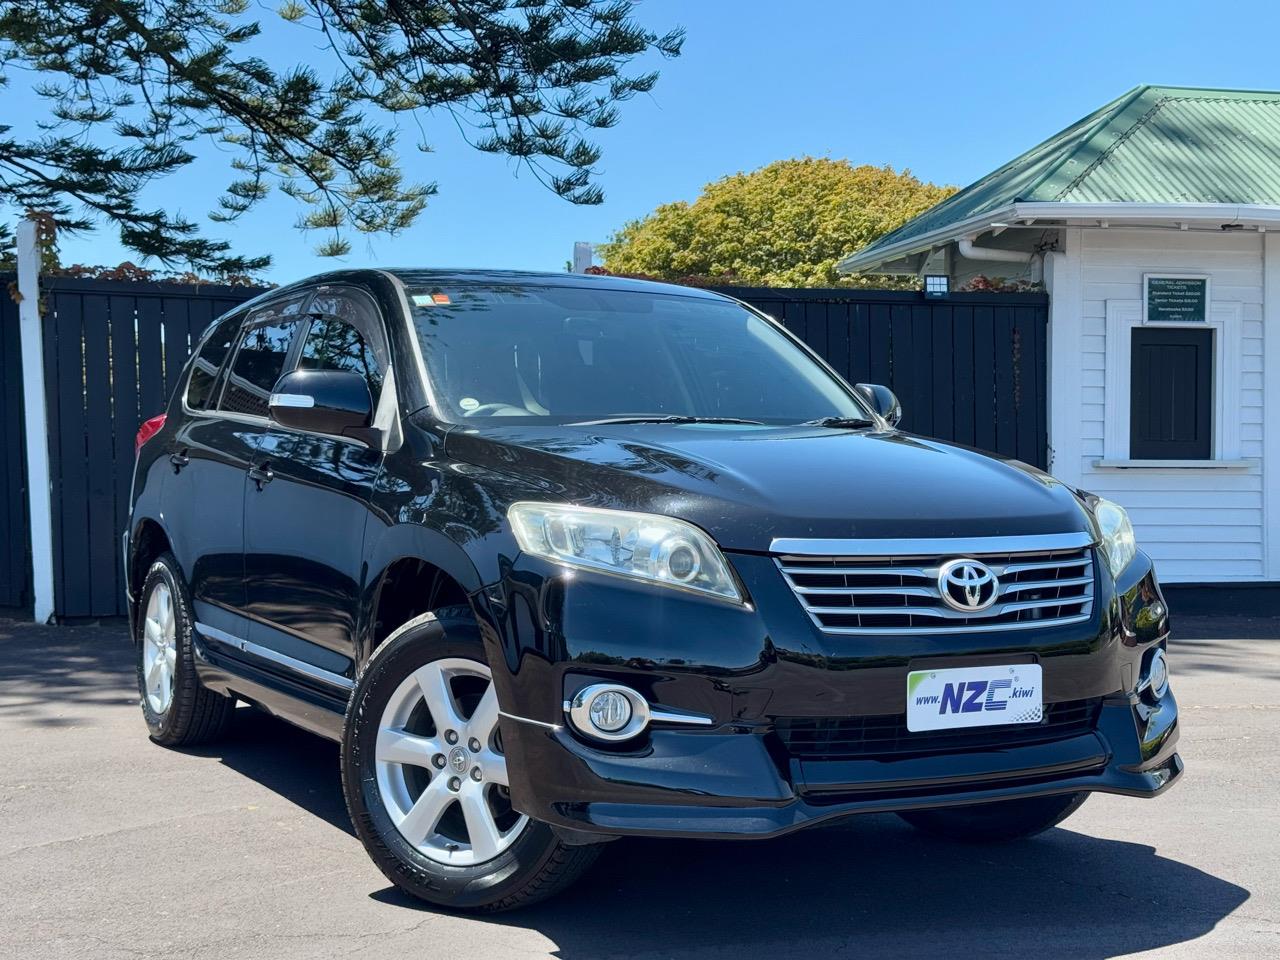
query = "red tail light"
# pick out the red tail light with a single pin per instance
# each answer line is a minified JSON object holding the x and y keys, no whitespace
{"x":148,"y":430}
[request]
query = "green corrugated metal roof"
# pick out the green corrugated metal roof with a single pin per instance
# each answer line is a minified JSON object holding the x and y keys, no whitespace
{"x":1152,"y":145}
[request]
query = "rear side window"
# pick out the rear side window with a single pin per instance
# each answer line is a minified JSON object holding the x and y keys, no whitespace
{"x":335,"y":344}
{"x":204,"y":370}
{"x":259,"y":363}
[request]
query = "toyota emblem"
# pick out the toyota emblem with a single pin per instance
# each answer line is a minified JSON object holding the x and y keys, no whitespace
{"x":967,"y":585}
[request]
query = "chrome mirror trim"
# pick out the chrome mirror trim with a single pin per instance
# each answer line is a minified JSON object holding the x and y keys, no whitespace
{"x":299,"y":400}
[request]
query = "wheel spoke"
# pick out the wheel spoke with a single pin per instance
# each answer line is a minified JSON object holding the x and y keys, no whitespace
{"x":165,"y":611}
{"x":152,"y":672}
{"x":171,"y":658}
{"x":485,"y":718}
{"x":423,"y":817}
{"x":494,"y":766}
{"x":396,"y":746}
{"x":483,"y":832}
{"x":434,"y":683}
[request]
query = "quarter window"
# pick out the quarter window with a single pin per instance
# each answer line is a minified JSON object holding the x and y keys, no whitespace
{"x":205,"y":367}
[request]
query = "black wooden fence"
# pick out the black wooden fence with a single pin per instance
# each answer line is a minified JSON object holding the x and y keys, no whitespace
{"x":15,"y":553}
{"x":112,"y":352}
{"x":969,"y":368}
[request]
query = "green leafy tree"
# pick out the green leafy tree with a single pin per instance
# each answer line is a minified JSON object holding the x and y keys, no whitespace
{"x":131,"y":85}
{"x":786,"y":225}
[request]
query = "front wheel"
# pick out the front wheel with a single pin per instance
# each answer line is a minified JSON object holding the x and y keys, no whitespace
{"x":426,"y":778}
{"x":996,"y":822}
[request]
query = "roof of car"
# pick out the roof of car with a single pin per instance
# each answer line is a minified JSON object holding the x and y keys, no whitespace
{"x":419,"y":276}
{"x":440,"y":276}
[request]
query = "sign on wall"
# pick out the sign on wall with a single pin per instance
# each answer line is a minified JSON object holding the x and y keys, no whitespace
{"x":1170,"y":298}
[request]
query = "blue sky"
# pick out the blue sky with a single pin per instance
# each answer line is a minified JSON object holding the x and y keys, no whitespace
{"x":949,"y":90}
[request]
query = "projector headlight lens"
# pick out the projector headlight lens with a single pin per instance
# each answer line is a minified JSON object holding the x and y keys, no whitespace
{"x":644,"y":546}
{"x":1119,"y":545}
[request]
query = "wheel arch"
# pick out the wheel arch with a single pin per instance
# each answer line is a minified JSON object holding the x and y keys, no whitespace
{"x":412,"y":570}
{"x":147,"y":541}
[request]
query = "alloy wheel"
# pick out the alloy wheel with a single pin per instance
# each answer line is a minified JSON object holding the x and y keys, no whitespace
{"x":159,"y":648}
{"x":440,"y":767}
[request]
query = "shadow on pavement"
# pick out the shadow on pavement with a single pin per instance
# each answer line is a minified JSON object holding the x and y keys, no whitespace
{"x":299,"y":766}
{"x":869,"y":886}
{"x":874,"y":887}
{"x":76,"y":668}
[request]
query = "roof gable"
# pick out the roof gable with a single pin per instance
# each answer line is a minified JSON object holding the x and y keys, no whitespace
{"x":1152,"y":145}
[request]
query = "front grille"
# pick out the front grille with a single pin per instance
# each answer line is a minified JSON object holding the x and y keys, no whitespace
{"x":900,"y":594}
{"x":886,"y":737}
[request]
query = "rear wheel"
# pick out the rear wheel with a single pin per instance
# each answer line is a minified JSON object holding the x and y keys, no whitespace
{"x":178,"y":709}
{"x":995,"y":822}
{"x":426,"y":778}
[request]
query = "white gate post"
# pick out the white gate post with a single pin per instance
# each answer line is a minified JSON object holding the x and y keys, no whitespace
{"x":33,"y":399}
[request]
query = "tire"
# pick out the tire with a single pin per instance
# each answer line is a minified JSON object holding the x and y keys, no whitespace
{"x":513,"y":862}
{"x":997,"y":822}
{"x":179,"y":710}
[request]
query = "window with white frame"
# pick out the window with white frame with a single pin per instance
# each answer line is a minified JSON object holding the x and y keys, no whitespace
{"x":1172,"y":387}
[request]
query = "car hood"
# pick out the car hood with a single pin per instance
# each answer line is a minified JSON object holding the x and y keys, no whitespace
{"x":746,"y":485}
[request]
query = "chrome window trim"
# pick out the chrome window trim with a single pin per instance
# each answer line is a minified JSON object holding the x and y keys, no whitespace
{"x":955,"y":546}
{"x":266,"y":653}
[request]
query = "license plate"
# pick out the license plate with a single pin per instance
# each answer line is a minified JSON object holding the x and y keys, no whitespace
{"x":974,"y":697}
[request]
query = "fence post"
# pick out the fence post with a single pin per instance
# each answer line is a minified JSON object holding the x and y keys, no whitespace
{"x":37,"y":427}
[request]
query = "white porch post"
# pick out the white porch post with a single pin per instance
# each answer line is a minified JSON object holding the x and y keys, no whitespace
{"x":1271,"y":405}
{"x":1063,"y":283}
{"x":37,"y":427}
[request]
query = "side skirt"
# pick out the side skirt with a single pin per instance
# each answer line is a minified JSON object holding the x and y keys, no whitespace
{"x":314,"y":703}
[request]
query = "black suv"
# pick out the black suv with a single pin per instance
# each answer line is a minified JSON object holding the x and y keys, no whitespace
{"x":559,"y":559}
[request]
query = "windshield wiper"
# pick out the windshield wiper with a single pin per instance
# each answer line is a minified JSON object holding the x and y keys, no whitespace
{"x":850,"y":422}
{"x":673,"y":418}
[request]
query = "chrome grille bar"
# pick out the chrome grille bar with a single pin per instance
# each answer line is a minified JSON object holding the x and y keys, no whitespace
{"x":1044,"y":582}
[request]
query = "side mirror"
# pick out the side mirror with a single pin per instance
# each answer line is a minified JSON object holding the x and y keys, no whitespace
{"x":882,"y":401}
{"x":335,"y":402}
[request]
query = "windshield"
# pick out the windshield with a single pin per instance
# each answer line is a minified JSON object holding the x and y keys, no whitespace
{"x":565,"y":354}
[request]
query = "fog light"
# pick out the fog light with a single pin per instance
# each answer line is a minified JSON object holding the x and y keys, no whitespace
{"x":608,"y":711}
{"x":1158,"y":674}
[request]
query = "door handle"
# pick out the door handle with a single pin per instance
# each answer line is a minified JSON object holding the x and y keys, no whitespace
{"x":179,"y":460}
{"x":261,"y":474}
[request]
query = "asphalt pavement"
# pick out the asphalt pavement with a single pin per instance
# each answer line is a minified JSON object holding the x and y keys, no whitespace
{"x":116,"y":848}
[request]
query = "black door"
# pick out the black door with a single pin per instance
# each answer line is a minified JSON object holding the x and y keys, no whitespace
{"x":304,"y":526}
{"x":212,"y":454}
{"x":209,"y":455}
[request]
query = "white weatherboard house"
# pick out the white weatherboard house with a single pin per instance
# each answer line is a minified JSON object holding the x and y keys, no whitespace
{"x":1154,"y":225}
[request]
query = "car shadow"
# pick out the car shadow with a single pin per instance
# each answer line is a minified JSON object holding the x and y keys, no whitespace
{"x":298,"y":766}
{"x":870,"y":885}
{"x":874,"y":887}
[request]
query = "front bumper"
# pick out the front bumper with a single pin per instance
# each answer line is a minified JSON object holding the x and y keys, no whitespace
{"x":739,"y":777}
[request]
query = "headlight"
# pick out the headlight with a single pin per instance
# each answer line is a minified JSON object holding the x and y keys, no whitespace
{"x":1118,"y":542}
{"x":640,"y":545}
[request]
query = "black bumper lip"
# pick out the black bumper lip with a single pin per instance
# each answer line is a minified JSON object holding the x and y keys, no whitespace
{"x":727,"y":784}
{"x":763,"y":822}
